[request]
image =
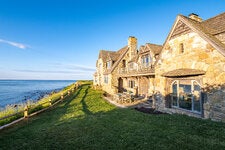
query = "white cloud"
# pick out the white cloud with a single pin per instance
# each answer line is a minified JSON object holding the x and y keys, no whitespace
{"x":15,"y":44}
{"x":57,"y":70}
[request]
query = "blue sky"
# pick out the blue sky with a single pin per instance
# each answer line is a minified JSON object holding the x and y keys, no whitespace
{"x":61,"y":39}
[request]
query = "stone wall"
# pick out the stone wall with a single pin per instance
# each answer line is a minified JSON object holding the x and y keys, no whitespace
{"x":99,"y":72}
{"x":198,"y":54}
{"x":108,"y":87}
{"x":214,"y":102}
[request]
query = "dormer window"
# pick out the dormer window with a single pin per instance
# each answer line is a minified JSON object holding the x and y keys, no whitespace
{"x":181,"y":48}
{"x":146,"y":60}
{"x":108,"y":64}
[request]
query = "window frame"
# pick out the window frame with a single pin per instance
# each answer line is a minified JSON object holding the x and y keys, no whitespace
{"x":108,"y":64}
{"x":146,"y":60}
{"x":131,"y":84}
{"x":192,"y":81}
{"x":181,"y":48}
{"x":106,"y":79}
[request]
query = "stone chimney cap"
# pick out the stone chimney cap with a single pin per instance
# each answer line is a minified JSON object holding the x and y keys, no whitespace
{"x":195,"y":17}
{"x":131,"y":36}
{"x":193,"y":14}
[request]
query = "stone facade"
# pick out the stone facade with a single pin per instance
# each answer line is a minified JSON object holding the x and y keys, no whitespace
{"x":186,"y":75}
{"x":190,"y":50}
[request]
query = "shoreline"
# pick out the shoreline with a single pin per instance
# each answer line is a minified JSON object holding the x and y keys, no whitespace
{"x":33,"y":96}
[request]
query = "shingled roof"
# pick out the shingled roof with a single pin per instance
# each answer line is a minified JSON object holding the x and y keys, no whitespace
{"x":156,"y":49}
{"x":120,"y":54}
{"x":207,"y":29}
{"x":215,"y":25}
{"x":103,"y":54}
{"x":183,"y":72}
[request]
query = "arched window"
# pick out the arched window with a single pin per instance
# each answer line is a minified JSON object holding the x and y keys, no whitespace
{"x":186,"y":94}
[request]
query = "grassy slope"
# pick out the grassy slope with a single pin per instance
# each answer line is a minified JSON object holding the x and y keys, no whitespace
{"x":85,"y":121}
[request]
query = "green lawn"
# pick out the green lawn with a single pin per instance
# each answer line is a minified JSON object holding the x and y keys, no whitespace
{"x":86,"y":121}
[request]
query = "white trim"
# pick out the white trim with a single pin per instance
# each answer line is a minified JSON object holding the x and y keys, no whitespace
{"x":192,"y":98}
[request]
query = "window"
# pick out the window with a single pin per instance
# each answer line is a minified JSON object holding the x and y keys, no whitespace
{"x":181,"y":48}
{"x":186,"y":94}
{"x":124,"y":63}
{"x":174,"y":94}
{"x":146,"y":60}
{"x":106,"y":79}
{"x":100,"y":65}
{"x":131,"y":84}
{"x":108,"y":64}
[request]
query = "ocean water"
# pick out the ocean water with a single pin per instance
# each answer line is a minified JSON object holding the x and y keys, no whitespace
{"x":19,"y":91}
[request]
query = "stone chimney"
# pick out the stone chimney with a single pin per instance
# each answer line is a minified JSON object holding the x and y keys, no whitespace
{"x":132,"y":45}
{"x":195,"y":17}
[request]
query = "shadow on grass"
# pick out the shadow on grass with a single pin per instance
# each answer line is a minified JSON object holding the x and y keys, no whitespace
{"x":112,"y":129}
{"x":84,"y":105}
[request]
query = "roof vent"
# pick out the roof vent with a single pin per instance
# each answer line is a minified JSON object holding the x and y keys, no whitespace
{"x":195,"y":17}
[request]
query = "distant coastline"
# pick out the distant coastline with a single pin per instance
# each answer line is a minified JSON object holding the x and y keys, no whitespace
{"x":13,"y":92}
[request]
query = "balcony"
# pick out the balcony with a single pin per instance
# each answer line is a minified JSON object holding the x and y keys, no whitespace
{"x":143,"y":70}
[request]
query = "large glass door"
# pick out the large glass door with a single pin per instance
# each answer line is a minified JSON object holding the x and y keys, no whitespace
{"x":186,"y":94}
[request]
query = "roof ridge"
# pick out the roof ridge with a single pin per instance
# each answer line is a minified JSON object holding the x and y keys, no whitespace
{"x":120,"y":57}
{"x":107,"y":50}
{"x":214,"y":17}
{"x":154,"y":44}
{"x":201,"y":29}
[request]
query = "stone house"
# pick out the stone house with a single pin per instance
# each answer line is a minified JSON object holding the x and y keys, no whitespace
{"x":128,"y":69}
{"x":105,"y":65}
{"x":137,"y":76}
{"x":190,"y":72}
{"x":186,"y":75}
{"x":101,"y":66}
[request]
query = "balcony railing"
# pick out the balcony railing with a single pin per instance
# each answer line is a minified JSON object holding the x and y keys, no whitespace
{"x":140,"y":70}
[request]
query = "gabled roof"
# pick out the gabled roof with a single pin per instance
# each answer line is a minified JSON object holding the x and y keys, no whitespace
{"x":205,"y":29}
{"x":113,"y":56}
{"x":121,"y":53}
{"x":156,"y":49}
{"x":103,"y":54}
{"x":141,"y":48}
{"x":204,"y":32}
{"x":215,"y":25}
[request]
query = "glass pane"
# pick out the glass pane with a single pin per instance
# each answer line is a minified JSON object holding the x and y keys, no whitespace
{"x":185,"y":96}
{"x":196,"y":96}
{"x":174,"y":99}
{"x":147,"y":60}
{"x":174,"y":94}
{"x":174,"y":87}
